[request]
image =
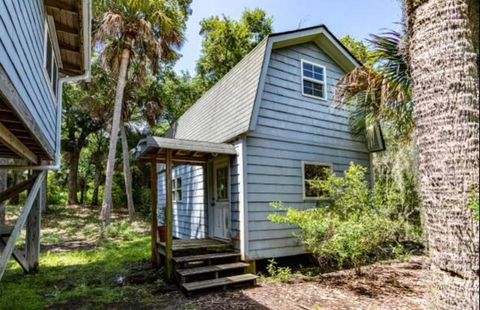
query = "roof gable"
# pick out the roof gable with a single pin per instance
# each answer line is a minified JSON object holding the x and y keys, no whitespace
{"x":230,"y":107}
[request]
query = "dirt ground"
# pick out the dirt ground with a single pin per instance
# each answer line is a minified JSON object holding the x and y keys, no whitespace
{"x":69,"y":233}
{"x":394,"y":285}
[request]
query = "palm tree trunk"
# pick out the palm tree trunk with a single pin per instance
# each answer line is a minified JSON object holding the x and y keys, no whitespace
{"x":127,"y":173}
{"x":117,"y":113}
{"x":73,"y":177}
{"x":444,"y":55}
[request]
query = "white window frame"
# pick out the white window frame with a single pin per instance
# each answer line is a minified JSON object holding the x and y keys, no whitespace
{"x":303,"y":178}
{"x":313,"y":80}
{"x":175,"y":188}
{"x":56,"y":58}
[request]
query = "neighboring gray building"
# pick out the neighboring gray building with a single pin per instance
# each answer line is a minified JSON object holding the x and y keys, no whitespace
{"x":43,"y":44}
{"x":275,"y":107}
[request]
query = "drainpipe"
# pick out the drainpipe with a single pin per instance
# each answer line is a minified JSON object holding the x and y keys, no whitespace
{"x":86,"y":9}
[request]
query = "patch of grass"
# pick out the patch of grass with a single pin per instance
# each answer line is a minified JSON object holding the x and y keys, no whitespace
{"x":83,"y":277}
{"x":71,"y":275}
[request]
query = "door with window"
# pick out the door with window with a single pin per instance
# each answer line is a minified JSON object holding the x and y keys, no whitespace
{"x":221,"y":200}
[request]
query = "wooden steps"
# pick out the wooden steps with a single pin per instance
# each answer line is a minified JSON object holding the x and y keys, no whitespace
{"x":208,"y":269}
{"x":220,"y":282}
{"x":196,"y":247}
{"x":205,"y":257}
{"x":214,"y":270}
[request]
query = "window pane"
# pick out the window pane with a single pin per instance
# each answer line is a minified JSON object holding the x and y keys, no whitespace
{"x":312,"y":175}
{"x":55,"y":78}
{"x":318,"y":73}
{"x":179,"y":195}
{"x":318,"y":90}
{"x":48,"y":64}
{"x":222,"y":183}
{"x":313,"y":89}
{"x":307,"y":66}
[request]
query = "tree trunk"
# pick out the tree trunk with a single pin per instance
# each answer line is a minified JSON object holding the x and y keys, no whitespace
{"x":73,"y":177}
{"x":444,"y":54}
{"x":117,"y":113}
{"x":83,"y":189}
{"x":98,"y":175}
{"x":3,"y":186}
{"x":15,"y":200}
{"x":127,"y":173}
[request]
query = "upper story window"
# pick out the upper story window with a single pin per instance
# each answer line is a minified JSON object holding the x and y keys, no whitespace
{"x":177,"y":192}
{"x":314,"y":172}
{"x":314,"y":77}
{"x":51,"y":57}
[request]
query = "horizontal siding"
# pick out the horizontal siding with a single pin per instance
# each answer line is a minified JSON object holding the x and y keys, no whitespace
{"x":235,"y":200}
{"x":189,"y":215}
{"x":22,"y":56}
{"x":292,"y":128}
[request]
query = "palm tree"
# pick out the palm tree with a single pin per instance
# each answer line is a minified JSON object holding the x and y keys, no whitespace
{"x":444,"y":59}
{"x":380,"y":92}
{"x":147,"y":30}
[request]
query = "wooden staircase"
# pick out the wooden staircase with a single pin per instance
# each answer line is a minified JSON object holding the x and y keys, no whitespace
{"x":196,"y":273}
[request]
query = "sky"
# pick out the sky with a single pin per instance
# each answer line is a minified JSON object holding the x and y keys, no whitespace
{"x":357,"y":18}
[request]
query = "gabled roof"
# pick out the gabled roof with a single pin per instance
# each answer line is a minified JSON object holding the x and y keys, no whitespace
{"x":230,"y":107}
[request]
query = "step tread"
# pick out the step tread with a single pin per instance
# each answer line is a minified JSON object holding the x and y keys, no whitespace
{"x":198,"y":285}
{"x":193,"y":258}
{"x":213,"y":268}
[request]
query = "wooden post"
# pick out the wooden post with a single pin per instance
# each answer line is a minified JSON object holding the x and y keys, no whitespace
{"x":9,"y":247}
{"x":169,"y":216}
{"x":154,"y":224}
{"x":32,"y":245}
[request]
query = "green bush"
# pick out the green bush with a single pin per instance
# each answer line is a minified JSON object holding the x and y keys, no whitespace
{"x":277,"y":274}
{"x":57,"y":195}
{"x":355,"y":225}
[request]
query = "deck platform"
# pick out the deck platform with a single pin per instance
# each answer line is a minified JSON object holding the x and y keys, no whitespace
{"x":183,"y":247}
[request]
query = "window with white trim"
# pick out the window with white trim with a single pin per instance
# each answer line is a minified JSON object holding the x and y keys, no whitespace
{"x":314,"y":172}
{"x":51,"y":62}
{"x":314,"y":78}
{"x":177,"y":192}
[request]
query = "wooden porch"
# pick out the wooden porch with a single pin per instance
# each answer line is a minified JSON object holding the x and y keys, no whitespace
{"x":195,"y":247}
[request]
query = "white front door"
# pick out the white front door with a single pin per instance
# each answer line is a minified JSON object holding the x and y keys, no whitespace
{"x":221,"y":200}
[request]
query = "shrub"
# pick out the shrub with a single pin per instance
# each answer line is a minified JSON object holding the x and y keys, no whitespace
{"x":278,"y":274}
{"x":57,"y":195}
{"x":355,"y":226}
{"x":121,"y":230}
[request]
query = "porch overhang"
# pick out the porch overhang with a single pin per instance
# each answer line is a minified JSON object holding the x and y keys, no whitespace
{"x":183,"y":151}
{"x":171,"y":152}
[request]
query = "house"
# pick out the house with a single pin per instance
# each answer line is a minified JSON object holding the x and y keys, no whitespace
{"x":256,"y":137}
{"x":43,"y":44}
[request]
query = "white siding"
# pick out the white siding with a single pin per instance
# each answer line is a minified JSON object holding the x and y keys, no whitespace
{"x":292,"y":128}
{"x":190,"y":214}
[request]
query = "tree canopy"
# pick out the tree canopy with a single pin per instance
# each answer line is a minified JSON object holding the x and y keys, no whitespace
{"x":227,"y":41}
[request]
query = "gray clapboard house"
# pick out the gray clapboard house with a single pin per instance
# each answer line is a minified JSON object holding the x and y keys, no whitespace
{"x":273,"y":118}
{"x":43,"y":44}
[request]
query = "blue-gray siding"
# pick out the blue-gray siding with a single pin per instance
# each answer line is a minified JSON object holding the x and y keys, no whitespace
{"x":292,"y":128}
{"x":190,"y":214}
{"x":235,"y":198}
{"x":22,"y":28}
